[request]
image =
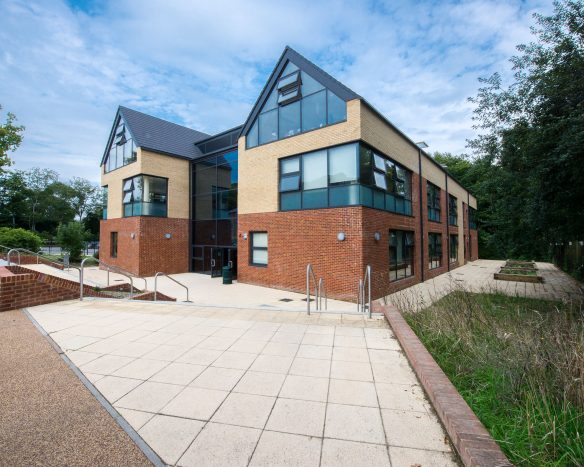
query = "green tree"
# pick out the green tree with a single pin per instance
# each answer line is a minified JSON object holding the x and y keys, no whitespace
{"x":531,"y":143}
{"x":10,"y":139}
{"x":70,"y":237}
{"x":85,"y":196}
{"x":13,"y":196}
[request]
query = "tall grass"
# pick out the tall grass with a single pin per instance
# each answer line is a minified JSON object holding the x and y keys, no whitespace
{"x":519,"y":363}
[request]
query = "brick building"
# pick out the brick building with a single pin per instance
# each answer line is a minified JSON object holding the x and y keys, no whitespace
{"x":314,"y":176}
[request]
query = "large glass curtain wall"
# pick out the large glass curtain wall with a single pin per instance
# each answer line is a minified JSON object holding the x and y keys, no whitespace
{"x":347,"y":175}
{"x":214,"y":203}
{"x":298,"y":103}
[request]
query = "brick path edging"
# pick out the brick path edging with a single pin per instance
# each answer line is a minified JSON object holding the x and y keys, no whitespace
{"x":472,"y":441}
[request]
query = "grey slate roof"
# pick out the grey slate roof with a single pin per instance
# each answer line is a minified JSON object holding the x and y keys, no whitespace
{"x":155,"y":134}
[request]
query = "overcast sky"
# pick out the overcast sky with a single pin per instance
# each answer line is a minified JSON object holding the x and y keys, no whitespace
{"x":65,"y":66}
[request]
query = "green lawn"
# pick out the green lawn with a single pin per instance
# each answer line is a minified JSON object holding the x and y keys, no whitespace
{"x":519,"y":364}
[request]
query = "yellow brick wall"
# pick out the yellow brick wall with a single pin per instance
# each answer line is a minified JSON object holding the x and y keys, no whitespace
{"x":380,"y":135}
{"x":150,"y":163}
{"x":258,"y":167}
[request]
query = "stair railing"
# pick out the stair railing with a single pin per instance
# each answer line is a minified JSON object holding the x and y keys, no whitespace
{"x":172,"y":279}
{"x":364,"y":293}
{"x":106,"y":266}
{"x":321,"y":291}
{"x":310,"y":275}
{"x":13,"y":250}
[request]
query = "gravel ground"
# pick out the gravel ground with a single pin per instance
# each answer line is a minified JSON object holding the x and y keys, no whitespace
{"x":47,"y":416}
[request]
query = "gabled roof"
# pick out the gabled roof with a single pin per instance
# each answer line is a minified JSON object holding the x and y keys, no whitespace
{"x":157,"y":135}
{"x":290,"y":55}
{"x":331,"y":83}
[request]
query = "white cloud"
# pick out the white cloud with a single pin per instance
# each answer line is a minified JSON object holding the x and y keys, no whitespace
{"x":64,"y":70}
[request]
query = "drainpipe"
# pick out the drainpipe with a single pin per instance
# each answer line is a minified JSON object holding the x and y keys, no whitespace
{"x":421,"y":216}
{"x":447,"y":221}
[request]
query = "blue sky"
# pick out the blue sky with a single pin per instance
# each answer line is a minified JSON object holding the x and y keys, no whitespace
{"x":65,"y":66}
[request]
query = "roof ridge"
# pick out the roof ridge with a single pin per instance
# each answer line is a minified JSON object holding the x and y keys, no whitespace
{"x":122,"y":107}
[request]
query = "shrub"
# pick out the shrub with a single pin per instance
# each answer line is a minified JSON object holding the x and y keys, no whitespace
{"x":20,"y":238}
{"x":96,"y":254}
{"x":71,"y":237}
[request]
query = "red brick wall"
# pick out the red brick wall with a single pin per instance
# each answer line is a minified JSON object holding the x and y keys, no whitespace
{"x":149,"y":251}
{"x":296,"y":238}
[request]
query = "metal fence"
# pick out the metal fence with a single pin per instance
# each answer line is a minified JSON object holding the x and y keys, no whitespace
{"x":569,"y":256}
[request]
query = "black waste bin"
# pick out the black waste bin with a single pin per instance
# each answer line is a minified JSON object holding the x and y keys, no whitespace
{"x":227,"y":275}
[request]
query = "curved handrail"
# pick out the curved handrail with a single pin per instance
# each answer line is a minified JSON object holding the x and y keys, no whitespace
{"x":95,"y":259}
{"x":172,"y":279}
{"x":9,"y":253}
{"x":309,"y":273}
{"x":321,"y":286}
{"x":365,"y":284}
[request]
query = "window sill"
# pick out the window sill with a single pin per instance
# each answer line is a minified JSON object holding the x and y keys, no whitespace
{"x":258,"y":265}
{"x":393,"y":281}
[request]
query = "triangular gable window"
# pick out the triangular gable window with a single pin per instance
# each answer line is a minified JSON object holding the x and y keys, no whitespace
{"x":122,"y":150}
{"x":297,"y":103}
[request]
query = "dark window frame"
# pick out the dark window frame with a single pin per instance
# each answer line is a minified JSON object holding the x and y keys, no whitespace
{"x":472,"y":218}
{"x":452,"y":210}
{"x":253,"y":248}
{"x":132,"y":203}
{"x":394,"y":202}
{"x":118,"y":140}
{"x":299,"y":97}
{"x":104,"y":200}
{"x":433,"y":198}
{"x":453,"y":239}
{"x":409,"y":251}
{"x":434,"y":250}
{"x":113,"y":244}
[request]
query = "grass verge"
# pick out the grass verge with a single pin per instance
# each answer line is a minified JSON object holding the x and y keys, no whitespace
{"x":519,"y":364}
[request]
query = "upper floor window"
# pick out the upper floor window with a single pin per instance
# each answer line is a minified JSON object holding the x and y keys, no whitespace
{"x":122,"y":150}
{"x":472,"y":218}
{"x":344,"y":176}
{"x":298,"y":103}
{"x":452,"y":210}
{"x":433,"y":194}
{"x":104,"y":196}
{"x":145,"y":195}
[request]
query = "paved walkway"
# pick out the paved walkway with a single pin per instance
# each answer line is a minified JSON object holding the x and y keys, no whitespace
{"x":478,"y":277}
{"x":204,"y":290}
{"x":213,"y":386}
{"x":47,"y":416}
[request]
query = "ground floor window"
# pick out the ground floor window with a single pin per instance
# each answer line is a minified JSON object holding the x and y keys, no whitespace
{"x":401,"y":254}
{"x":259,"y":249}
{"x":435,"y":250}
{"x":114,"y":244}
{"x":453,"y":248}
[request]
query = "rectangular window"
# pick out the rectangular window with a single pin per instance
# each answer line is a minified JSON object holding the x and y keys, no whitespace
{"x":104,"y":195}
{"x":268,"y":126}
{"x":452,"y":210}
{"x":314,"y":111}
{"x":434,"y":250}
{"x":289,"y":120}
{"x":453,"y":248}
{"x":145,"y":195}
{"x":472,"y":218}
{"x":433,"y":195}
{"x":259,"y":248}
{"x":401,"y":254}
{"x":113,"y":244}
{"x":332,"y":178}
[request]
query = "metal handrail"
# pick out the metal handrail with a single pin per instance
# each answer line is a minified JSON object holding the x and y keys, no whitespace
{"x":95,"y":259}
{"x":322,"y":287}
{"x":309,"y":273}
{"x":364,"y":284}
{"x":9,"y":253}
{"x":123,"y":272}
{"x":172,"y":279}
{"x":38,"y":255}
